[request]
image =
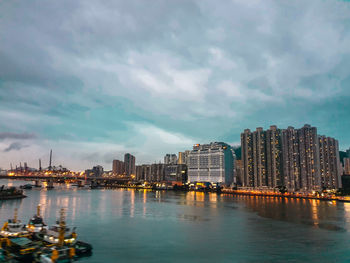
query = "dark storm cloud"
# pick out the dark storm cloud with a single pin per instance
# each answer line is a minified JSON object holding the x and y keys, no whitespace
{"x":15,"y":146}
{"x":17,"y":136}
{"x":115,"y":71}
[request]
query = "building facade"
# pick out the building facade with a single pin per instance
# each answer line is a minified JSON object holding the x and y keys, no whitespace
{"x":175,"y":173}
{"x":212,"y":162}
{"x":346,"y":166}
{"x":295,"y":159}
{"x":170,"y":159}
{"x":129,"y":161}
{"x":330,"y":168}
{"x":183,"y":157}
{"x":118,"y":167}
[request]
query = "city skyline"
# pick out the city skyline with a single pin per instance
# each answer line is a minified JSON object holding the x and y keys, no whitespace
{"x":93,"y":80}
{"x":109,"y":165}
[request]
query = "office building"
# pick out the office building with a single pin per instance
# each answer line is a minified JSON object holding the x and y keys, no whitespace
{"x":212,"y":163}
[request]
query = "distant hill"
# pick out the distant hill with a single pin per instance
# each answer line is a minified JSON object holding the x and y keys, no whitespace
{"x":238,"y":153}
{"x":342,"y":155}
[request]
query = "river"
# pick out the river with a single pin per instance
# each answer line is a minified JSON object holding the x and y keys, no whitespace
{"x":165,"y":226}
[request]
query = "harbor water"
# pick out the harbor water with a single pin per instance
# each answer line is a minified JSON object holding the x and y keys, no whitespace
{"x":166,"y":226}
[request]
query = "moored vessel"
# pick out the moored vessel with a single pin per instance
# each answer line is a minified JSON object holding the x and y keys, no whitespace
{"x":13,"y":227}
{"x":36,"y":223}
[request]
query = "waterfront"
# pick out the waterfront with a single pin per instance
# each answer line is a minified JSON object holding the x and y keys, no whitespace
{"x":156,"y":226}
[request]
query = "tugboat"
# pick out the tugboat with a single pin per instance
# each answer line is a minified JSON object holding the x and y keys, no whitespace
{"x":36,"y":223}
{"x":13,"y":228}
{"x":51,"y":235}
{"x":59,"y":252}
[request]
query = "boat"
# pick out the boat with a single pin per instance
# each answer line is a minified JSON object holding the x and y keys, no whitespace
{"x":51,"y":235}
{"x":36,"y":223}
{"x":56,"y":254}
{"x":56,"y":245}
{"x":26,"y":186}
{"x":13,"y":228}
{"x":21,"y":249}
{"x":82,"y":248}
{"x":62,"y":250}
{"x":10,"y":193}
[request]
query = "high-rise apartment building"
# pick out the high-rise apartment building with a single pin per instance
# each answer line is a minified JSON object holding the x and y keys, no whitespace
{"x":239,"y":172}
{"x":262,"y":157}
{"x":291,"y":159}
{"x":309,"y":158}
{"x":183,"y":157}
{"x":118,"y":167}
{"x":274,"y":157}
{"x":170,"y":159}
{"x":247,"y":158}
{"x":330,"y":169}
{"x":346,"y":166}
{"x":143,"y":172}
{"x":297,"y":159}
{"x":212,"y":162}
{"x":129,"y":161}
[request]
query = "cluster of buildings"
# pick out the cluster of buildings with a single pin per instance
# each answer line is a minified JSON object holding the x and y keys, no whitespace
{"x":211,"y":163}
{"x":126,"y":167}
{"x":294,"y":159}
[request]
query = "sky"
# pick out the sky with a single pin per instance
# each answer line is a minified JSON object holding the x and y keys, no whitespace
{"x":92,"y":80}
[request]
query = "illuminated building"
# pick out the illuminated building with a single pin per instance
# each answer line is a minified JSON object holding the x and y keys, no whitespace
{"x":247,"y":158}
{"x":96,"y":171}
{"x":157,"y":172}
{"x":170,"y":159}
{"x":118,"y":167}
{"x":274,"y":157}
{"x":309,"y":158}
{"x":291,"y":159}
{"x":129,"y":161}
{"x":212,"y":163}
{"x":143,"y":172}
{"x":175,"y":172}
{"x":183,"y":157}
{"x":297,"y":159}
{"x":261,"y":157}
{"x":330,"y":169}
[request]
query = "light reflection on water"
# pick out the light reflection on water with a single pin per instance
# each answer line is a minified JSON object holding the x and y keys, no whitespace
{"x":146,"y":226}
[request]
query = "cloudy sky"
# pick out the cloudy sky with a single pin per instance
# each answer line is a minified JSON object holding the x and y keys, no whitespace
{"x":95,"y":79}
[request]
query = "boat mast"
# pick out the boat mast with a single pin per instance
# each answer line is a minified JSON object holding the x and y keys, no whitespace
{"x":15,"y":216}
{"x":62,"y":228}
{"x":38,"y":211}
